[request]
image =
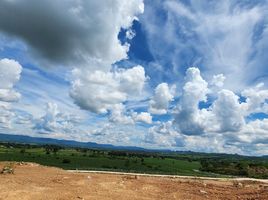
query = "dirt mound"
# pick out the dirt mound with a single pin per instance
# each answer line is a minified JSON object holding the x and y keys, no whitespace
{"x":32,"y":181}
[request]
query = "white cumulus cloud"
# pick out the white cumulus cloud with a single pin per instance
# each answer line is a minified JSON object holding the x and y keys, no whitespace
{"x":228,"y":111}
{"x":160,"y":101}
{"x":144,"y":117}
{"x":10,"y":71}
{"x":188,"y":120}
{"x":99,"y":91}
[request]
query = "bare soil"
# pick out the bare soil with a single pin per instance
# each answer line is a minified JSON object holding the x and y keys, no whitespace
{"x":32,"y":181}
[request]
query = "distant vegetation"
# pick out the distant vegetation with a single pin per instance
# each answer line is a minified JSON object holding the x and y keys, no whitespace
{"x":256,"y":168}
{"x":176,"y":163}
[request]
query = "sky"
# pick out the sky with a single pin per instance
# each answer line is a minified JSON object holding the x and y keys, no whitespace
{"x":173,"y":74}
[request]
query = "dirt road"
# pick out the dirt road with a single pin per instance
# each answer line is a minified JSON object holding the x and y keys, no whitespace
{"x":31,"y":181}
{"x":170,"y":176}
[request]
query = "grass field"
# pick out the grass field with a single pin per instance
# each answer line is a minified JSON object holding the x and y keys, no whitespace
{"x":190,"y":164}
{"x":100,"y":160}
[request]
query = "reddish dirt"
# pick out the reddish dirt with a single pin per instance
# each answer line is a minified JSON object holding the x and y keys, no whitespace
{"x":32,"y":181}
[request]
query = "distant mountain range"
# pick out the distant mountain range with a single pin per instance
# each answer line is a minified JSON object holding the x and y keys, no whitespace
{"x":92,"y":145}
{"x":70,"y":143}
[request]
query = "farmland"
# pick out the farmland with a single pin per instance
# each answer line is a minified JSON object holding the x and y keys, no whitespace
{"x":190,"y":164}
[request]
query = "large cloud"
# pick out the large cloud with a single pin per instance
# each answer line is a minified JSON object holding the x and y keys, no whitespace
{"x":188,"y":119}
{"x":228,"y":111}
{"x":99,"y":91}
{"x":10,"y":71}
{"x":67,"y":32}
{"x":98,"y":87}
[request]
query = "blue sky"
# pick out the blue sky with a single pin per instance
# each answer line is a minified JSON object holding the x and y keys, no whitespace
{"x":173,"y":74}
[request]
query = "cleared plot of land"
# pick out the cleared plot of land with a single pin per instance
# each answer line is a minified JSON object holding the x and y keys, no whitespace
{"x":31,"y":181}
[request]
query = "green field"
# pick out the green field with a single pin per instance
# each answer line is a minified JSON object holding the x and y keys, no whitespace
{"x":100,"y":160}
{"x":142,"y":162}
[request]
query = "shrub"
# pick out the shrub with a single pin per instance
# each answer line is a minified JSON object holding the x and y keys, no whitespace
{"x":22,"y":151}
{"x":105,"y":166}
{"x":66,"y":161}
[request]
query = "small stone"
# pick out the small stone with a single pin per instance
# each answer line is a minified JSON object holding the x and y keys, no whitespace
{"x":202,"y":191}
{"x":240,"y":185}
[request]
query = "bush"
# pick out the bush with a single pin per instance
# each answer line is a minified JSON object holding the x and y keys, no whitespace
{"x":22,"y":151}
{"x":106,"y":166}
{"x":66,"y":161}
